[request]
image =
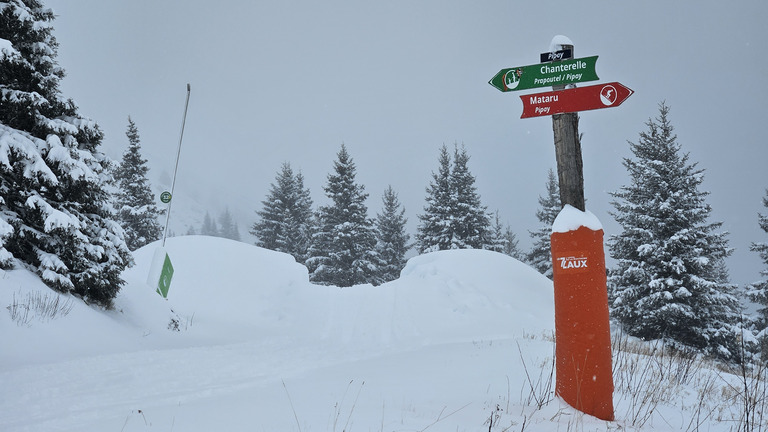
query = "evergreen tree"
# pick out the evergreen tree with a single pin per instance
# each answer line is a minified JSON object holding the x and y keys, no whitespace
{"x":55,"y":214}
{"x":209,"y":227}
{"x":498,"y":240}
{"x":511,"y":248}
{"x":228,"y":226}
{"x":285,"y":221}
{"x":540,"y":255}
{"x":392,"y":239}
{"x":502,"y":239}
{"x":300,"y":225}
{"x":343,"y":252}
{"x":434,"y":231}
{"x":668,"y":281}
{"x":454,"y":217}
{"x":134,"y":202}
{"x":758,"y":291}
{"x":470,"y":221}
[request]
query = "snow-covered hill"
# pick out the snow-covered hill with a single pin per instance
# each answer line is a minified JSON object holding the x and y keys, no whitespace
{"x":454,"y":344}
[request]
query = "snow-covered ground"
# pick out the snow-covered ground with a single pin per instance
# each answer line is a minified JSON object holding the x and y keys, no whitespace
{"x":453,"y":344}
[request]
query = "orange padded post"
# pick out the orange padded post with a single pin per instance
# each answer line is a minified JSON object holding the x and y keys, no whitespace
{"x":582,"y":329}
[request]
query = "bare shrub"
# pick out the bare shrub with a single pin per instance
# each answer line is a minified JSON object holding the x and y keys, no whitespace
{"x":39,"y":306}
{"x":648,"y":375}
{"x":540,"y":390}
{"x":748,"y":393}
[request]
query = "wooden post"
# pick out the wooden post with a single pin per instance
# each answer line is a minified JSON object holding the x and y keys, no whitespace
{"x":570,"y":169}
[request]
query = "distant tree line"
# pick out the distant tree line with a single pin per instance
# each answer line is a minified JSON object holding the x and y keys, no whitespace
{"x":341,"y":245}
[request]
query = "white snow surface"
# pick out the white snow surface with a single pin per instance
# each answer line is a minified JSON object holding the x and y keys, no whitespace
{"x":443,"y":348}
{"x":570,"y":219}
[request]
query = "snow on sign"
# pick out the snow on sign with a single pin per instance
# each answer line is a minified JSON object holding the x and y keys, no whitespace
{"x":575,"y":99}
{"x":545,"y":75}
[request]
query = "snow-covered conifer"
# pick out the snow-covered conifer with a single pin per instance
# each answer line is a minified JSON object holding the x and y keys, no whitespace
{"x":511,"y":248}
{"x":343,"y":251}
{"x":454,"y":217}
{"x":285,"y":220}
{"x":758,"y":291}
{"x":209,"y":227}
{"x":434,"y":231}
{"x":668,"y":281}
{"x":497,"y":239}
{"x":540,"y":255}
{"x":300,"y":224}
{"x":55,"y":214}
{"x":471,"y":222}
{"x":134,"y":203}
{"x":227,"y":226}
{"x":392,"y":239}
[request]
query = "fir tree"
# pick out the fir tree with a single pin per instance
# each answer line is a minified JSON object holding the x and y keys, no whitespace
{"x":471,"y":223}
{"x":454,"y":217}
{"x":502,"y":239}
{"x":300,"y":225}
{"x":498,"y":241}
{"x":434,"y":231}
{"x":55,"y":214}
{"x":392,"y":239}
{"x":758,"y":291}
{"x":343,"y":252}
{"x":227,"y":226}
{"x":209,"y":227}
{"x":511,"y":248}
{"x":134,"y":203}
{"x":540,"y":255}
{"x":285,"y":221}
{"x":668,"y":281}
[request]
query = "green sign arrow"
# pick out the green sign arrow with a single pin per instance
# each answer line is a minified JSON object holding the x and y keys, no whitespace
{"x":166,"y":274}
{"x":546,"y":74}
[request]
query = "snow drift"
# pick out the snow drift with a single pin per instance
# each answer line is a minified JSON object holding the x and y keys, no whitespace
{"x":258,"y":344}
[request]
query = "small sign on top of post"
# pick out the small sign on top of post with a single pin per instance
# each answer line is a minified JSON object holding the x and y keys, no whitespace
{"x":559,"y":55}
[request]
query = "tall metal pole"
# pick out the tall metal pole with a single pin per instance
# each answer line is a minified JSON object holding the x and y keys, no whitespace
{"x":176,"y":168}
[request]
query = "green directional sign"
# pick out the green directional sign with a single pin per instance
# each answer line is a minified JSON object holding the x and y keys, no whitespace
{"x":546,"y":74}
{"x":166,"y":274}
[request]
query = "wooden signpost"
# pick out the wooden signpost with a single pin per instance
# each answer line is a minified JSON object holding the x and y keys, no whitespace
{"x":582,"y":329}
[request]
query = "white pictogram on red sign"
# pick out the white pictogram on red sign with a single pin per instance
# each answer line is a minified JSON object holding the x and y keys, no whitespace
{"x":608,"y":95}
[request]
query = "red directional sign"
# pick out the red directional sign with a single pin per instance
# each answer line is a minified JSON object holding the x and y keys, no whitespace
{"x":575,"y":99}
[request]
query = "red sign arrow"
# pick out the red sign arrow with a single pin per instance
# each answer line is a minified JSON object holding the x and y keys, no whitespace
{"x":575,"y":99}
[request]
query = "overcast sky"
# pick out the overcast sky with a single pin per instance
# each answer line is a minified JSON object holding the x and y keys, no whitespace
{"x":289,"y":81}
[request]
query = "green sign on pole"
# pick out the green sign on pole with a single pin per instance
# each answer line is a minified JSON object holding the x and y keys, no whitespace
{"x":546,"y":74}
{"x":166,"y":274}
{"x":165,"y":197}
